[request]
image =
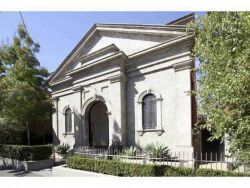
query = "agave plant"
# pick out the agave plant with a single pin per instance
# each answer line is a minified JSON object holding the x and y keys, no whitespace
{"x":62,"y":149}
{"x":130,"y":151}
{"x":157,"y":151}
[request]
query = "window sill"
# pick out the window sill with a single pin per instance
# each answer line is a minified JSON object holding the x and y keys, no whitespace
{"x":158,"y":131}
{"x":69,"y":133}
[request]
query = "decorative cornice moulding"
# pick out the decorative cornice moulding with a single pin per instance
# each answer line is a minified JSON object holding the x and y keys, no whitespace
{"x":118,"y":78}
{"x":183,"y":65}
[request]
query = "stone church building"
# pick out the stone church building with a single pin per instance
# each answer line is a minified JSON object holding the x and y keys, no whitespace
{"x":127,"y":84}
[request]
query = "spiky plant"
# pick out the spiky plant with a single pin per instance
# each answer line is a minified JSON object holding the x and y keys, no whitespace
{"x":130,"y":151}
{"x":62,"y":149}
{"x":157,"y":152}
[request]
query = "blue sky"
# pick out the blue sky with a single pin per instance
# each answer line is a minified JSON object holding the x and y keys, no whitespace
{"x":58,"y":32}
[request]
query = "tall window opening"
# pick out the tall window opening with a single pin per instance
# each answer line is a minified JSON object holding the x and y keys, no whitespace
{"x":68,"y":120}
{"x":149,"y":112}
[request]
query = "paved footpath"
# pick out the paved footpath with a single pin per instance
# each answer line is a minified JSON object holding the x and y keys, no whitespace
{"x":58,"y":171}
{"x":17,"y":173}
{"x":63,"y":171}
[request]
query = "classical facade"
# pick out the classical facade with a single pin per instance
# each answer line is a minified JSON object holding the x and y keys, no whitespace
{"x":127,"y":84}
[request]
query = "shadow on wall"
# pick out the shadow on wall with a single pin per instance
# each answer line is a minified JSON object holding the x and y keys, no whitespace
{"x":77,"y":128}
{"x":56,"y":140}
{"x":116,"y":140}
{"x":135,"y":78}
{"x":130,"y":107}
{"x":117,"y":129}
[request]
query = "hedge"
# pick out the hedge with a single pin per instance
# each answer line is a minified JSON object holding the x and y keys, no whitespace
{"x":26,"y":153}
{"x":118,"y":168}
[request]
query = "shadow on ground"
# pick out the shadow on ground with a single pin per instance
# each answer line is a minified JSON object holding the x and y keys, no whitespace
{"x":5,"y":172}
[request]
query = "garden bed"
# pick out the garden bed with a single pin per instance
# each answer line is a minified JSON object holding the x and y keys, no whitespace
{"x":118,"y":168}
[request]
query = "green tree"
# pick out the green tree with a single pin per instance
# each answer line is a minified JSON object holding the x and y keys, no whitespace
{"x":24,"y":88}
{"x":223,"y":48}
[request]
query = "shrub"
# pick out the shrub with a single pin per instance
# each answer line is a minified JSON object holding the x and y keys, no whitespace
{"x":25,"y":153}
{"x":157,"y":151}
{"x":119,"y":168}
{"x":62,"y":149}
{"x":40,"y":152}
{"x":112,"y":167}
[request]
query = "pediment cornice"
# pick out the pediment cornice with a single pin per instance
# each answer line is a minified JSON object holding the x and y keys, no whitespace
{"x":165,"y":44}
{"x":108,"y":50}
{"x":156,"y":34}
{"x":97,"y":29}
{"x":99,"y":62}
{"x":114,"y":53}
{"x":158,"y":30}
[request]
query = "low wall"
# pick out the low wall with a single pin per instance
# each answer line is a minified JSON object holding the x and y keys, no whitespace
{"x":168,"y":163}
{"x":27,"y":165}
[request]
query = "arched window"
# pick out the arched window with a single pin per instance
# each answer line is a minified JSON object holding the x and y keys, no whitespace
{"x":149,"y":112}
{"x":68,"y":120}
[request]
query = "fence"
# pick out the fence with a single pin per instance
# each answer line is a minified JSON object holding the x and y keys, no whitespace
{"x":215,"y":161}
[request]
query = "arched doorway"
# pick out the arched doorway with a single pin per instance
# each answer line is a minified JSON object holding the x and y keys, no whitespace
{"x":98,"y":125}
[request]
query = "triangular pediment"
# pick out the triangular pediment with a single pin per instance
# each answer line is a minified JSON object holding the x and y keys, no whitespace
{"x":129,"y":39}
{"x":92,"y":58}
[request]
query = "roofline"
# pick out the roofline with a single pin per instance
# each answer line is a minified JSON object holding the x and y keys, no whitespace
{"x":94,"y":29}
{"x":172,"y":23}
{"x":122,"y":54}
{"x":127,"y":25}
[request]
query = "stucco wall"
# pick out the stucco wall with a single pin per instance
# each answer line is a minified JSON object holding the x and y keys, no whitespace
{"x":119,"y":84}
{"x":73,"y":102}
{"x":176,"y":114}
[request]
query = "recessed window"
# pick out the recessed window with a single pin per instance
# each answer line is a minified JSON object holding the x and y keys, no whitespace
{"x":68,"y":120}
{"x":149,"y":112}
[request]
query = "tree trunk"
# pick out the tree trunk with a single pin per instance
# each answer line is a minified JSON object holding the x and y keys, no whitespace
{"x":28,"y":133}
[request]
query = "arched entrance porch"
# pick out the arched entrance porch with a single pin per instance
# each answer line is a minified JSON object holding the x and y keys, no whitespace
{"x":98,"y":125}
{"x":97,"y":122}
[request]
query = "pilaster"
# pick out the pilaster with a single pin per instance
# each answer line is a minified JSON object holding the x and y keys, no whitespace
{"x":117,"y":94}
